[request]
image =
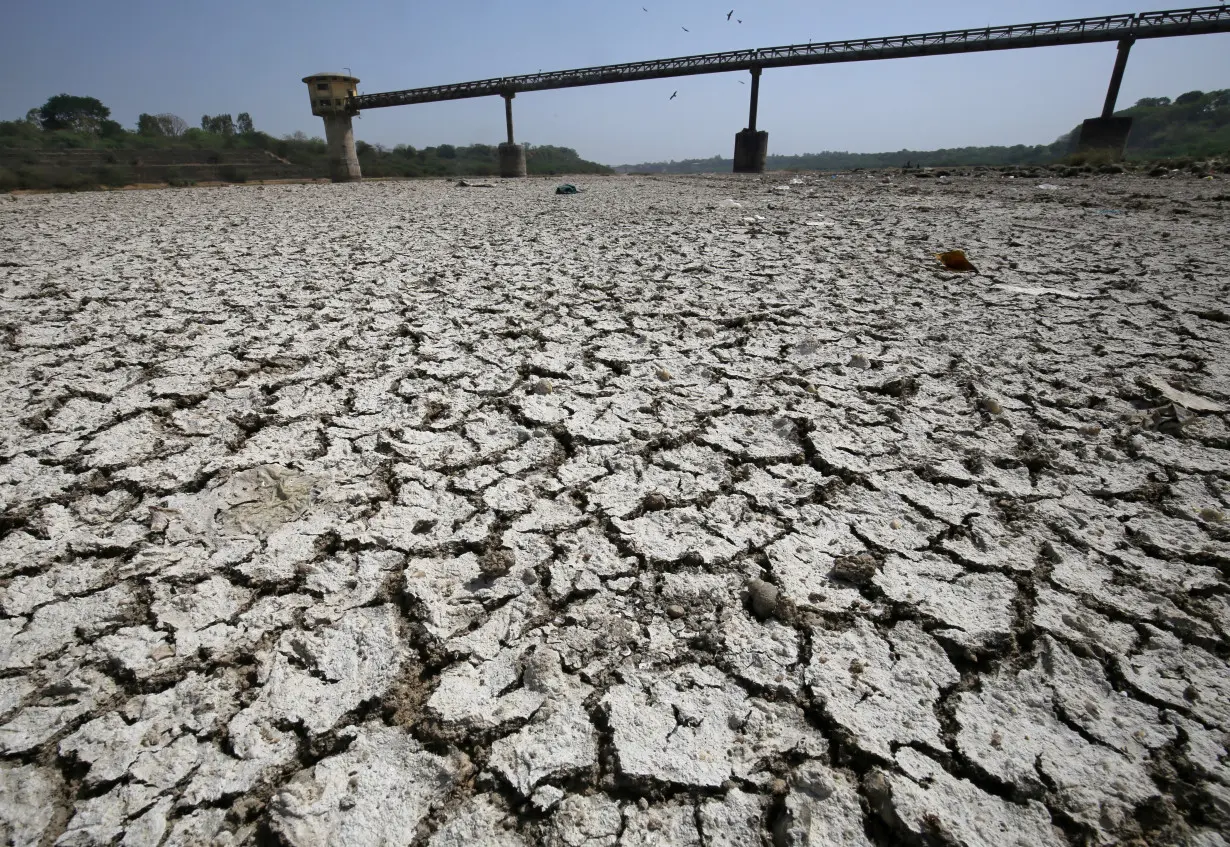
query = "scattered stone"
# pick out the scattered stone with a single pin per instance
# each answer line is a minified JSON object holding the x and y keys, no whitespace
{"x":856,"y":569}
{"x":763,"y":597}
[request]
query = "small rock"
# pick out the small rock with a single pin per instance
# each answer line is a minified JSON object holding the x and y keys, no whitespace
{"x":655,"y":502}
{"x":904,"y":386}
{"x":763,"y":597}
{"x":495,"y":563}
{"x":856,"y":570}
{"x":895,"y":523}
{"x":860,"y":361}
{"x":1212,"y":515}
{"x":663,"y":374}
{"x":675,"y":611}
{"x":543,"y":386}
{"x":992,"y":405}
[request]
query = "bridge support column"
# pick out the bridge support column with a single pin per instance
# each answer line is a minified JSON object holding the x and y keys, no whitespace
{"x":1108,"y":133}
{"x":512,"y":155}
{"x":751,"y":146}
{"x":343,"y":158}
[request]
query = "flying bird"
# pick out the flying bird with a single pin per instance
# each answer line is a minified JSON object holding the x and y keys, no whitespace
{"x":741,"y":82}
{"x":738,"y":21}
{"x":673,"y":96}
{"x":685,"y":29}
{"x":643,"y":9}
{"x":728,"y":14}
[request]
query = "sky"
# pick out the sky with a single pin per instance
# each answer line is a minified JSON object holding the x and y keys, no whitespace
{"x":231,"y":56}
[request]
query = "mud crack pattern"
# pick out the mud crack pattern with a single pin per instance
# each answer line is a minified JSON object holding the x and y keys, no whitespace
{"x":400,"y":514}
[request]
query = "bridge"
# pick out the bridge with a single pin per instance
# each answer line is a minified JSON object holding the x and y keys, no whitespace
{"x":335,"y":96}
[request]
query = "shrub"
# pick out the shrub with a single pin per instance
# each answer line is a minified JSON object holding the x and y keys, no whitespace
{"x":231,"y":173}
{"x":114,"y":177}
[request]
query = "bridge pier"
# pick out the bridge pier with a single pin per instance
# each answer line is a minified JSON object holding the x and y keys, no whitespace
{"x":1108,"y":133}
{"x":511,"y":154}
{"x":751,"y":147}
{"x":343,"y":158}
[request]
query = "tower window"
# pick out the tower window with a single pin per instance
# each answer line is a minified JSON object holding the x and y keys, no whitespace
{"x":322,"y":86}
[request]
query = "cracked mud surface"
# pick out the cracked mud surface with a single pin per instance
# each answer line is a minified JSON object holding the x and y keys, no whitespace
{"x":401,"y":514}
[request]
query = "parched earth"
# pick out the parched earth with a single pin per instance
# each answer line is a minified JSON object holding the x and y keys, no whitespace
{"x":411,"y":514}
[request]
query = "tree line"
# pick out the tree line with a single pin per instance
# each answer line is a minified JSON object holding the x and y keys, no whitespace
{"x":73,"y":122}
{"x":1194,"y":124}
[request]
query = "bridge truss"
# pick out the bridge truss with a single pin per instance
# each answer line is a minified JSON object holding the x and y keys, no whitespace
{"x":1122,"y":28}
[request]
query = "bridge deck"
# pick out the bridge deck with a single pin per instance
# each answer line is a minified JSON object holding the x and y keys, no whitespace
{"x":1194,"y":21}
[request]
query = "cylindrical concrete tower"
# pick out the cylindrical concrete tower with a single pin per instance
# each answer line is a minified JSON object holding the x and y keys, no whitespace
{"x":331,"y":99}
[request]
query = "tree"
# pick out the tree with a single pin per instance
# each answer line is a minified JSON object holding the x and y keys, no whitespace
{"x":76,"y":114}
{"x":1189,"y":97}
{"x":218,"y":124}
{"x":1152,"y":102}
{"x":111,"y":129}
{"x":243,"y":124}
{"x":172,"y":125}
{"x":33,"y":118}
{"x":149,"y":126}
{"x":446,"y":151}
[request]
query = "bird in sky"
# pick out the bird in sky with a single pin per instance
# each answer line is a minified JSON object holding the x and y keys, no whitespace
{"x":741,"y":82}
{"x":685,"y":29}
{"x":738,"y":21}
{"x":728,"y":14}
{"x":673,"y":96}
{"x":643,"y":9}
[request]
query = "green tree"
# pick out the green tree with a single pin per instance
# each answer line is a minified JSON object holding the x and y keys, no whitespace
{"x":76,"y":114}
{"x":446,"y":151}
{"x":149,"y":126}
{"x":243,"y":124}
{"x":1189,"y":97}
{"x":111,"y":129}
{"x":218,"y":124}
{"x":1152,"y":102}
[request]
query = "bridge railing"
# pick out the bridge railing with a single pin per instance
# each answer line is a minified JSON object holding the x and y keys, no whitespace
{"x":1199,"y":19}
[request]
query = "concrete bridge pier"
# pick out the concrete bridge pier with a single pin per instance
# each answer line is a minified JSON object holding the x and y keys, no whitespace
{"x":512,"y":154}
{"x":751,"y":147}
{"x":1107,"y":133}
{"x":343,"y":158}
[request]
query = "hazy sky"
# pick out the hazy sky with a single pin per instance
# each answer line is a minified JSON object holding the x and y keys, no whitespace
{"x":231,"y":56}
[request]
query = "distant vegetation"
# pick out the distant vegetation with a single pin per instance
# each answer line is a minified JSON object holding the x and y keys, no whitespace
{"x":1195,"y":124}
{"x":71,"y":143}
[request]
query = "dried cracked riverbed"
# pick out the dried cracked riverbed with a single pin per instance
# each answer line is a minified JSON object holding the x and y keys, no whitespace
{"x":410,"y":514}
